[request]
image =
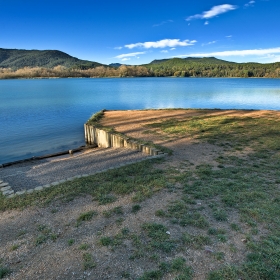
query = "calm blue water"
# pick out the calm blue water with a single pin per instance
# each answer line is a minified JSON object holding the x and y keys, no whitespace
{"x":47,"y":115}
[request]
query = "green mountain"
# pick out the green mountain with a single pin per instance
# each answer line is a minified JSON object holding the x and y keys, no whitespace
{"x":14,"y":58}
{"x":210,"y":67}
{"x":12,"y":61}
{"x":190,"y":60}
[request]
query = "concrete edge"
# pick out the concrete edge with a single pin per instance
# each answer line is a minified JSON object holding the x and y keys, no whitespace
{"x":105,"y":139}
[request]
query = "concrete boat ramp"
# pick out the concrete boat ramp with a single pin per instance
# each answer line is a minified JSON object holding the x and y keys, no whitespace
{"x":39,"y":174}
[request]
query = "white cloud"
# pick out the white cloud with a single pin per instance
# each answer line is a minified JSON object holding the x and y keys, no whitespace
{"x":125,"y":59}
{"x":209,"y":43}
{"x":206,"y":22}
{"x":236,"y":53}
{"x":121,"y":56}
{"x":229,"y":36}
{"x":172,"y":49}
{"x":162,"y":44}
{"x":272,"y":58}
{"x":163,"y":22}
{"x":118,"y":48}
{"x":164,"y":51}
{"x":214,"y":11}
{"x":250,"y":4}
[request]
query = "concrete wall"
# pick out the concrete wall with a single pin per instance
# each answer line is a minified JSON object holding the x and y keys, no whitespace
{"x":104,"y":139}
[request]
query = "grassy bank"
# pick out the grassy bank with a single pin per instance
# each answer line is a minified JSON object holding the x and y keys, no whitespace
{"x":220,"y":221}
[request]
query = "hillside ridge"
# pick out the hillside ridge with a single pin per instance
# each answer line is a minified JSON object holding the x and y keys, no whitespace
{"x":20,"y":58}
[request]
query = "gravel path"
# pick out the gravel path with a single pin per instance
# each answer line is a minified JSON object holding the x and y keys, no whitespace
{"x":40,"y":172}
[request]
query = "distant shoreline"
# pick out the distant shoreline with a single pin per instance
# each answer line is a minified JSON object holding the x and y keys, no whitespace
{"x":172,"y":77}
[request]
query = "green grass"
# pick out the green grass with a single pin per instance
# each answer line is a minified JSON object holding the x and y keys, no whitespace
{"x":88,"y":262}
{"x":180,"y":213}
{"x":45,"y":234}
{"x":14,"y":247}
{"x":95,"y":118}
{"x":195,"y":241}
{"x":115,"y":211}
{"x":247,"y":185}
{"x":135,"y":208}
{"x":177,"y":267}
{"x":70,"y":242}
{"x":159,"y":239}
{"x":4,"y":271}
{"x":117,"y":240}
{"x":87,"y":216}
{"x":83,"y":246}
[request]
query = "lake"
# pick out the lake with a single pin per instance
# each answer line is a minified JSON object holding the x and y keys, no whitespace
{"x":43,"y":116}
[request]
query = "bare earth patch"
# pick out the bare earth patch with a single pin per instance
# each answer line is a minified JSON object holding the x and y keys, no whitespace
{"x":110,"y":241}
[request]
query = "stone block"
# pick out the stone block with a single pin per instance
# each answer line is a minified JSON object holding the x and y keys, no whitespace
{"x":6,"y":193}
{"x":3,"y":189}
{"x":4,"y":185}
{"x":20,"y":192}
{"x":38,"y":188}
{"x":70,"y":179}
{"x":30,"y":191}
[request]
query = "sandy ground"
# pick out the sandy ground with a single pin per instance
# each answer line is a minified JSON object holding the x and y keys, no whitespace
{"x":58,"y":260}
{"x":132,"y":123}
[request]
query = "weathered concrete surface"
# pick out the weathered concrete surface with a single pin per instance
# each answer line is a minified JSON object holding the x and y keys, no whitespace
{"x":106,"y":139}
{"x":29,"y":175}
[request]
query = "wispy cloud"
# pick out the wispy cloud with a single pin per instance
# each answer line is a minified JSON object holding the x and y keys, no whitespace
{"x":250,"y":4}
{"x":206,"y":22}
{"x":162,"y":44}
{"x":163,"y":22}
{"x":172,"y":49}
{"x":121,"y":56}
{"x":209,"y":43}
{"x":164,"y":51}
{"x":118,"y":48}
{"x":214,"y":11}
{"x":229,"y":36}
{"x":271,"y":58}
{"x":236,"y":53}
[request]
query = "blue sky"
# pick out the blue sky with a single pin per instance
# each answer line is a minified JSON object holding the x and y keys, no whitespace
{"x":137,"y":32}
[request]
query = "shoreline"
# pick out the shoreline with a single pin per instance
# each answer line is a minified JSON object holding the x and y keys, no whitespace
{"x":131,"y":77}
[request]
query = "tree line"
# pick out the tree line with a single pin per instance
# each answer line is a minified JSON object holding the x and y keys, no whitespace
{"x":150,"y":70}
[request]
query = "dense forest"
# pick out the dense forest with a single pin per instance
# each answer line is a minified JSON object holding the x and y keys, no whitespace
{"x":52,"y":64}
{"x":211,"y":67}
{"x":17,"y":59}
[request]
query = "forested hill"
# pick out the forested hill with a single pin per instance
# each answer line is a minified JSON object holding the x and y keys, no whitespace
{"x":14,"y":58}
{"x":211,"y":67}
{"x":53,"y":63}
{"x":188,"y":60}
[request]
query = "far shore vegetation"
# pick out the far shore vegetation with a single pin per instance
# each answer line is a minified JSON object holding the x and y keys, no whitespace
{"x":170,"y":68}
